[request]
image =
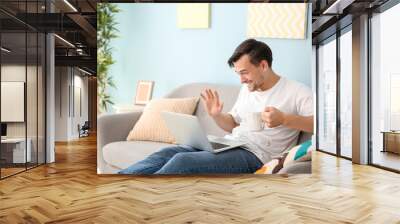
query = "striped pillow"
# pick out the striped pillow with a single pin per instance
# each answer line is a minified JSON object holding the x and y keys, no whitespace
{"x":151,"y":126}
{"x":298,"y":153}
{"x":271,"y":167}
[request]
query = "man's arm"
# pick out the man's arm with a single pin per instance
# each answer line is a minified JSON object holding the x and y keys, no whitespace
{"x":302,"y":123}
{"x":225,"y":121}
{"x":214,"y":109}
{"x":274,"y":117}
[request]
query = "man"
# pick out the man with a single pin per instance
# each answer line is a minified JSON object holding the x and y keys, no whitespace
{"x":286,"y":109}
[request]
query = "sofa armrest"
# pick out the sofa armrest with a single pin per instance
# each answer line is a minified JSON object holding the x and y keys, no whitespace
{"x":297,"y":168}
{"x":113,"y":128}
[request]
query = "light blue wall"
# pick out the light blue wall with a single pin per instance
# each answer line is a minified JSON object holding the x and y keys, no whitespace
{"x":151,"y":47}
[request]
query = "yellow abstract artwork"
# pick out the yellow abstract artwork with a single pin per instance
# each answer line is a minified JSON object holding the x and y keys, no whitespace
{"x":277,"y":20}
{"x":193,"y":15}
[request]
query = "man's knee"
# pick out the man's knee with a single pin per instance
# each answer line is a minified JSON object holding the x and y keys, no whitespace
{"x":166,"y":152}
{"x":183,"y":159}
{"x":178,"y":163}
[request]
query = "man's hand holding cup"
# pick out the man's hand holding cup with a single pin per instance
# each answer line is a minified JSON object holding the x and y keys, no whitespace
{"x":272,"y":117}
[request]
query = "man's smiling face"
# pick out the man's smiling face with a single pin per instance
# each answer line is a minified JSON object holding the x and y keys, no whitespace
{"x":250,"y":74}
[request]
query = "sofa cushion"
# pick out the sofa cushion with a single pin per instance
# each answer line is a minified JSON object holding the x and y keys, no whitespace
{"x":151,"y":126}
{"x":125,"y":153}
{"x":297,"y":168}
{"x":297,"y":154}
{"x":271,"y":167}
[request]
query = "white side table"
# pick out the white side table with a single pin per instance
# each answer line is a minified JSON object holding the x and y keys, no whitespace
{"x":18,"y":148}
{"x":128,"y":108}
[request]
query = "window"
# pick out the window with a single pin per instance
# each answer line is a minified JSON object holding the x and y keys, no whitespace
{"x":385,"y":89}
{"x":346,"y":93}
{"x":394,"y":102}
{"x":327,"y":96}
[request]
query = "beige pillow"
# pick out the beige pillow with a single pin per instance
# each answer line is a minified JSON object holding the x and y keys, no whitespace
{"x":151,"y":126}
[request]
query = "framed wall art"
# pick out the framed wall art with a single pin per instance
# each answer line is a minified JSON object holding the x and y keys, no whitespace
{"x":144,"y":92}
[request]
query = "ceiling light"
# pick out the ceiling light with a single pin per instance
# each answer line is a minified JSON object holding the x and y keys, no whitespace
{"x":338,"y":6}
{"x":86,"y":72}
{"x":70,"y":5}
{"x":5,"y":50}
{"x":65,"y":41}
{"x":79,"y":51}
{"x":330,"y":8}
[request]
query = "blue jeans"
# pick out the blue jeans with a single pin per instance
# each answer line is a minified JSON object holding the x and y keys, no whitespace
{"x":187,"y":160}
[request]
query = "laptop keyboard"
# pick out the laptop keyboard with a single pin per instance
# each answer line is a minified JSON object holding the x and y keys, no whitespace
{"x":216,"y":145}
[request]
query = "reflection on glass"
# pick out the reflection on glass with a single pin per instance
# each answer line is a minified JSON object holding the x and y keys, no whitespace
{"x":385,"y":86}
{"x":22,"y":90}
{"x":346,"y":94}
{"x":327,"y":97}
{"x":394,"y":101}
{"x":31,"y":101}
{"x":41,"y":99}
{"x":14,"y":152}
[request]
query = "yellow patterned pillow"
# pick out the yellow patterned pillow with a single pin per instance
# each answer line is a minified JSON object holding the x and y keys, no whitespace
{"x":271,"y":167}
{"x":151,"y":126}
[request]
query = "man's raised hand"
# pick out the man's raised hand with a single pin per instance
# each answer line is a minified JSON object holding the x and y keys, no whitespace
{"x":211,"y":102}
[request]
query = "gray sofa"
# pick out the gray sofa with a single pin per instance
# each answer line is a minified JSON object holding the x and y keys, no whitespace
{"x":115,"y":153}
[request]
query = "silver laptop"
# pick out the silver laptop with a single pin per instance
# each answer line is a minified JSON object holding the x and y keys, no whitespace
{"x":188,"y":131}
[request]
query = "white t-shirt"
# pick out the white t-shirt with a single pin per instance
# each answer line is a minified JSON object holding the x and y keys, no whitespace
{"x":286,"y":95}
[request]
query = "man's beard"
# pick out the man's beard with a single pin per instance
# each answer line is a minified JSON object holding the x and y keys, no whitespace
{"x":253,"y":86}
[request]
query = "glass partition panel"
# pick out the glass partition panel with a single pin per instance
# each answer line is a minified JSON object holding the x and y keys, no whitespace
{"x":327,"y":97}
{"x":14,"y":153}
{"x":346,"y":94}
{"x":22,"y":67}
{"x":31,"y":98}
{"x":41,"y":99}
{"x":385,"y":89}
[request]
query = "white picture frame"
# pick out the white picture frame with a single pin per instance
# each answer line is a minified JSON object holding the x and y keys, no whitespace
{"x":144,"y":91}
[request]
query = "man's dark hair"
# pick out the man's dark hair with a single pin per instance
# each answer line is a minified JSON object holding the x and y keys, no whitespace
{"x":256,"y":50}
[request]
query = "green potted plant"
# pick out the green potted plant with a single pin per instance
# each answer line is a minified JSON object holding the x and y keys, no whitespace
{"x":106,"y":31}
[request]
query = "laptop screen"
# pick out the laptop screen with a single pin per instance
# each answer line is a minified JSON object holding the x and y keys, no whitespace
{"x":3,"y":129}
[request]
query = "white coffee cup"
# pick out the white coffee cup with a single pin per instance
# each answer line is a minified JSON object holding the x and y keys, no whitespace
{"x":254,"y":121}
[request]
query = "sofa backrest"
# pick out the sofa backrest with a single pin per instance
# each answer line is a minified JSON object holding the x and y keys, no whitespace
{"x":228,"y":95}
